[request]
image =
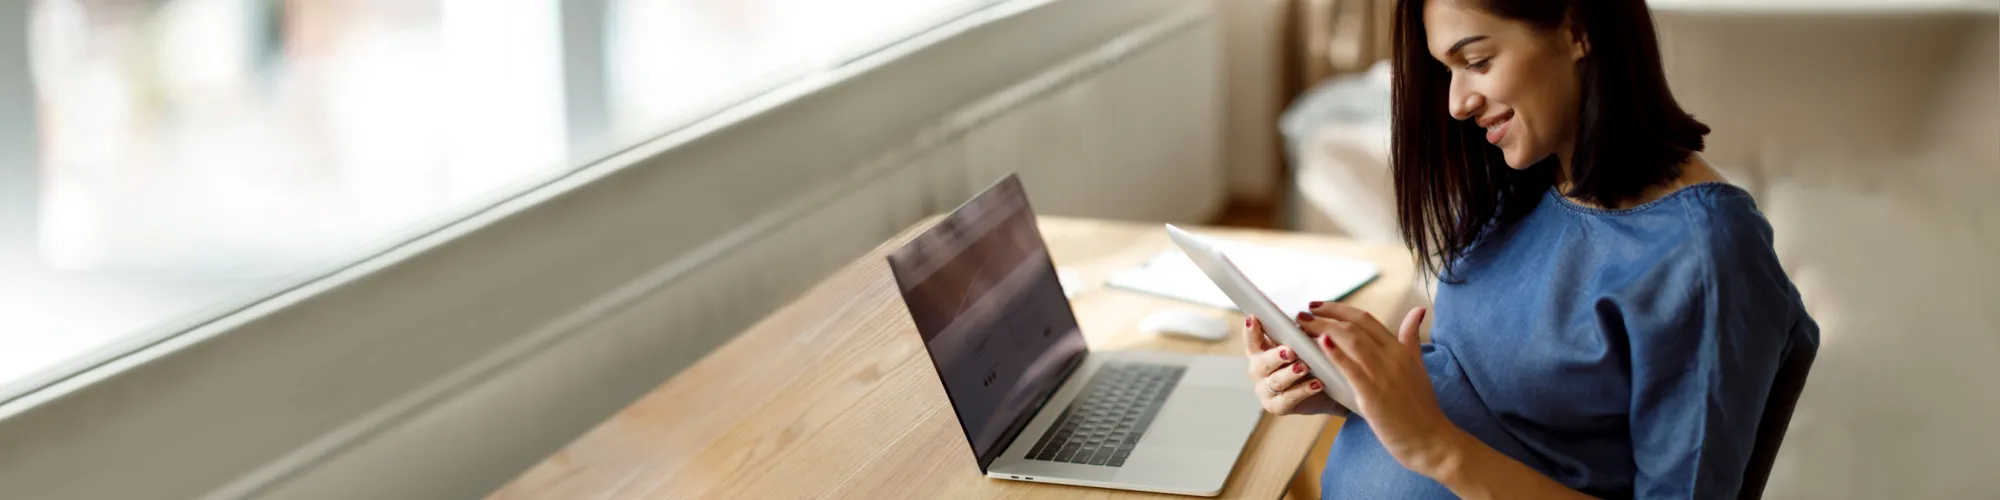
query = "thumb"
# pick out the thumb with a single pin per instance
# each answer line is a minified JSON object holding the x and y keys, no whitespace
{"x":1411,"y":323}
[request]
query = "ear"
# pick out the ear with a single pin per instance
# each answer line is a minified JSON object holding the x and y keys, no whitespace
{"x":1579,"y":41}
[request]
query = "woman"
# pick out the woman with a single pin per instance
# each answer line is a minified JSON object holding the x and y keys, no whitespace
{"x":1610,"y":314}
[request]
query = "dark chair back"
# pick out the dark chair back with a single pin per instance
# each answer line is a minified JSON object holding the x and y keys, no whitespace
{"x":1784,"y":397}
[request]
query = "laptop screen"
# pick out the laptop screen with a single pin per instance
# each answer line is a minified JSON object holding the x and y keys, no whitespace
{"x":985,"y":298}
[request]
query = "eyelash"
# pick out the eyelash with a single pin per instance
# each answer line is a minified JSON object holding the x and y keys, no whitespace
{"x":1479,"y":65}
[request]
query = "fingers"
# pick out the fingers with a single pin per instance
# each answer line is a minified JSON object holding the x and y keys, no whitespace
{"x":1264,"y":363}
{"x":1342,"y":312}
{"x":1346,"y":335}
{"x":1285,"y":402}
{"x":1342,"y":360}
{"x":1354,"y":317}
{"x":1286,"y":376}
{"x":1411,"y":323}
{"x":1254,"y":340}
{"x":1313,"y":324}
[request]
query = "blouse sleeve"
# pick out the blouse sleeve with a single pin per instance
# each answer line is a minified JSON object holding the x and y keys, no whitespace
{"x":1704,"y":354}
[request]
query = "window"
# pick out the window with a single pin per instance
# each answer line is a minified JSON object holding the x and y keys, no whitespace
{"x":192,"y":157}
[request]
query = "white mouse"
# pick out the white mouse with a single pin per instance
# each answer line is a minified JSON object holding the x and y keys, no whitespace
{"x":1185,"y":323}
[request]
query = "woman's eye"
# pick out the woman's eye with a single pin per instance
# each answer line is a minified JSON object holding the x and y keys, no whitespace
{"x":1479,"y":65}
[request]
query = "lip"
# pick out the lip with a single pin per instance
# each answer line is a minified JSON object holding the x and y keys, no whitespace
{"x":1496,"y":126}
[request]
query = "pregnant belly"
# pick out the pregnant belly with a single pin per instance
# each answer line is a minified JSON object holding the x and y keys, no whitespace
{"x":1358,"y":467}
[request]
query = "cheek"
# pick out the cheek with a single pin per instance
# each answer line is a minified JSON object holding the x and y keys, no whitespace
{"x":1556,"y":101}
{"x":1514,"y":89}
{"x":1543,"y":100}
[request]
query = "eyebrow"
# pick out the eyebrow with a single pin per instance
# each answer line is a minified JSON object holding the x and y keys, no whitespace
{"x":1462,"y":42}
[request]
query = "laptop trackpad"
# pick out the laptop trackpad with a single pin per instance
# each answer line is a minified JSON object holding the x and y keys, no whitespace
{"x":1210,"y":418}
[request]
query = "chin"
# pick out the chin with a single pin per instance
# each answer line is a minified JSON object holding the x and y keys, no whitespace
{"x":1516,"y":160}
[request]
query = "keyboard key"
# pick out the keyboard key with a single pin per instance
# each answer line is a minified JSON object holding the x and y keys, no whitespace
{"x":1105,"y":423}
{"x":1043,"y":443}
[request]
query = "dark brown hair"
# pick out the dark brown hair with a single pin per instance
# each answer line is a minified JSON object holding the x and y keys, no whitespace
{"x":1451,"y":186}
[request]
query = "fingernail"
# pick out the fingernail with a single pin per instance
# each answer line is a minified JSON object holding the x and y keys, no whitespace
{"x":1298,"y":367}
{"x":1246,"y":321}
{"x":1305,"y":316}
{"x":1314,"y":304}
{"x":1284,"y":354}
{"x":1315,"y":385}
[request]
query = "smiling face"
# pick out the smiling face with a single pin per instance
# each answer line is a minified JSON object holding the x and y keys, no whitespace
{"x":1516,"y":81}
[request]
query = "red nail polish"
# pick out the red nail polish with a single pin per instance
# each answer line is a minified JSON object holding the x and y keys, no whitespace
{"x":1315,"y":385}
{"x":1246,"y":321}
{"x":1284,"y":354}
{"x":1298,"y":367}
{"x":1314,"y":304}
{"x":1305,"y":316}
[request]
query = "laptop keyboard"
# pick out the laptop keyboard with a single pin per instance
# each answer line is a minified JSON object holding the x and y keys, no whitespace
{"x":1101,"y":426}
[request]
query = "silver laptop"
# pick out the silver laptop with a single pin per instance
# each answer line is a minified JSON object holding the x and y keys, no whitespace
{"x":1035,"y":402}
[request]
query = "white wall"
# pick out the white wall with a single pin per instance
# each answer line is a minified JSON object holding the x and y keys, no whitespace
{"x":1253,"y":34}
{"x":1960,"y":137}
{"x":1873,"y":145}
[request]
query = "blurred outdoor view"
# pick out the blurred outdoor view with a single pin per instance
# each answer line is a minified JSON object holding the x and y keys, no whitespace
{"x":194,"y":156}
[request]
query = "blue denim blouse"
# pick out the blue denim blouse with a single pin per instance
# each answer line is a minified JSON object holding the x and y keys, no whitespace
{"x":1624,"y":353}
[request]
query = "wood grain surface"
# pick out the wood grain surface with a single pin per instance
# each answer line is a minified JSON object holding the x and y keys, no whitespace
{"x":831,"y":396}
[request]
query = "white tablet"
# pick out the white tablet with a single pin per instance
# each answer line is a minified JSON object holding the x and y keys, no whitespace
{"x":1280,"y":326}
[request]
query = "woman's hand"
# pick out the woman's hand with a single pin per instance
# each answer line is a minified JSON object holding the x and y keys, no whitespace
{"x":1282,"y":382}
{"x":1391,"y":387}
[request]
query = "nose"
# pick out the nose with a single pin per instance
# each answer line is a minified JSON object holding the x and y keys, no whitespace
{"x":1465,"y":104}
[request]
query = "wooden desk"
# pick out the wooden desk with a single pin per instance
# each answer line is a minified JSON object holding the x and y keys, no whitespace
{"x":832,"y":396}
